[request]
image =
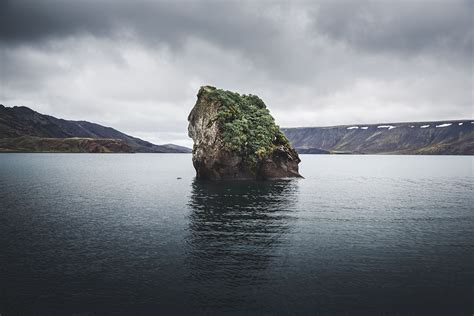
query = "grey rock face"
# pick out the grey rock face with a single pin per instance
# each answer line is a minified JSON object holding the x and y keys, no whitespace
{"x":212,"y":158}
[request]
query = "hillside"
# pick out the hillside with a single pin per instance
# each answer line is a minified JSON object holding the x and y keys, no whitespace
{"x":416,"y":138}
{"x":22,"y":129}
{"x":66,"y":145}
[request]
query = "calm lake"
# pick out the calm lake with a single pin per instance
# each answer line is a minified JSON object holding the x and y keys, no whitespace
{"x":121,"y":234}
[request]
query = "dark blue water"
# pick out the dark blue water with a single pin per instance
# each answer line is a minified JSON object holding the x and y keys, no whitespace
{"x":100,"y":234}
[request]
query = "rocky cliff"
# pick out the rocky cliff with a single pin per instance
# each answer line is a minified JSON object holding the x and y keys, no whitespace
{"x":235,"y":137}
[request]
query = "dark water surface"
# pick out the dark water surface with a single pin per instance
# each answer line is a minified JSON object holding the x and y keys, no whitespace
{"x":120,"y":234}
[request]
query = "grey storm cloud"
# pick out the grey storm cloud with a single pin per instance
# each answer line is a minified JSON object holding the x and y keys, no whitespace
{"x":164,"y":22}
{"x":407,"y":27}
{"x":137,"y":65}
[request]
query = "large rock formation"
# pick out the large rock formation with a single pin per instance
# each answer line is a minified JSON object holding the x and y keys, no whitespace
{"x":235,"y":137}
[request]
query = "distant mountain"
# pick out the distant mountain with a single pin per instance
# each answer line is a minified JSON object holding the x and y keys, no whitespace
{"x":22,"y":129}
{"x":416,"y":138}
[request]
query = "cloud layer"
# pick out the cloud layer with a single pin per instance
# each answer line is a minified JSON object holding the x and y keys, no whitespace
{"x":137,"y":65}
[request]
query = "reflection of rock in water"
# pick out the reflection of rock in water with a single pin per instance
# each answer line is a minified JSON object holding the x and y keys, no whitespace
{"x":235,"y":228}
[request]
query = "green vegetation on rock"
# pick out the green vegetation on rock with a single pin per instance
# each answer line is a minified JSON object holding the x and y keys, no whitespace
{"x":246,"y":125}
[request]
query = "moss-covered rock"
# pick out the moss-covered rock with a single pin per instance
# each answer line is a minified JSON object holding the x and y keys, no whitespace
{"x":235,"y":137}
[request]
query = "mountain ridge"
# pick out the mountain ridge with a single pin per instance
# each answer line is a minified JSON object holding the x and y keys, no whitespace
{"x":36,"y":131}
{"x":447,"y":137}
{"x":383,"y":123}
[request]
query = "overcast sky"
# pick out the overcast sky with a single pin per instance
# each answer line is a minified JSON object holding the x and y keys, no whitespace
{"x":137,"y":65}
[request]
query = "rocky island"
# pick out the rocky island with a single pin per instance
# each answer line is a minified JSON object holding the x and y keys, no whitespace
{"x":235,"y":137}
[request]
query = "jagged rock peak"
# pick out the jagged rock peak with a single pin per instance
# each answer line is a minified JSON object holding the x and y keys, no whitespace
{"x":235,"y":137}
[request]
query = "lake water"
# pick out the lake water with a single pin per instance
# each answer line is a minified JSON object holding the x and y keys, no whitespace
{"x":120,"y":234}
